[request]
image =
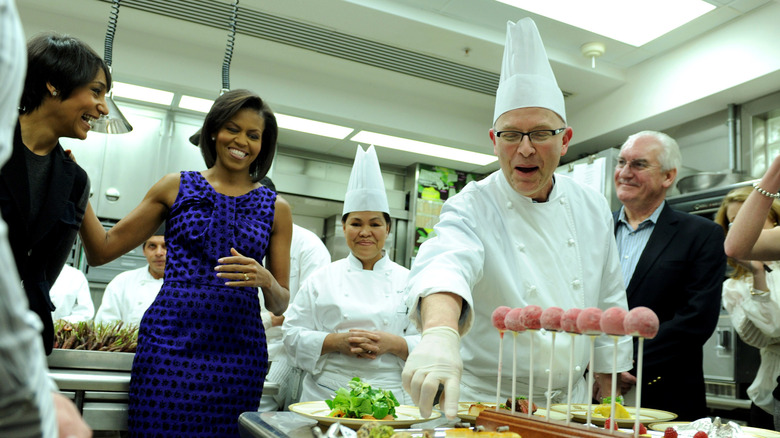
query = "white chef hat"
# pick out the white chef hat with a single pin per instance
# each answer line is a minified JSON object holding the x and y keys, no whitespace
{"x":527,"y":79}
{"x":366,"y":189}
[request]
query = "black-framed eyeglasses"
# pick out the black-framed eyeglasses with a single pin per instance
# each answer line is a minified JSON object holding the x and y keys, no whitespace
{"x":537,"y":136}
{"x":637,"y":165}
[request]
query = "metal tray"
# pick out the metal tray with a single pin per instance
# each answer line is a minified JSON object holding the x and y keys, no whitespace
{"x":90,"y":360}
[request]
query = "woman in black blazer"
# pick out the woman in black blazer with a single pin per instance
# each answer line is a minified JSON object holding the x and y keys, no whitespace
{"x":43,"y":192}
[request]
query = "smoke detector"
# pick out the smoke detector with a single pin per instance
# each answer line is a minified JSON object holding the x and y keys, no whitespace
{"x":593,"y":50}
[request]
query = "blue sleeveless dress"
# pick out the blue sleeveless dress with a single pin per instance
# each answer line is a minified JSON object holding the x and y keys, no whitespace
{"x":202,"y":357}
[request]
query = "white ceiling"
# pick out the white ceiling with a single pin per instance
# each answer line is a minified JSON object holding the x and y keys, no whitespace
{"x":606,"y":103}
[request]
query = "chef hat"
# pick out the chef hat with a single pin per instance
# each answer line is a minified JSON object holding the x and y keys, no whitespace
{"x":366,"y":189}
{"x":527,"y":79}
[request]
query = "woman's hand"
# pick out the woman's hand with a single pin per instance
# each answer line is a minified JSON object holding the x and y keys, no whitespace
{"x":242,"y":271}
{"x":373,"y":344}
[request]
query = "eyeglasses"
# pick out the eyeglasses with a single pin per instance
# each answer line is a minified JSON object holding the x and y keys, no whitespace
{"x":637,"y":165}
{"x":538,"y":136}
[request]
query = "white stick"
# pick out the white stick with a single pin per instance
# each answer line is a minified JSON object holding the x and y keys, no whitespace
{"x":613,"y":389}
{"x":550,"y":376}
{"x":590,"y":379}
{"x":500,"y":362}
{"x":571,"y":372}
{"x":639,"y":356}
{"x":514,"y":370}
{"x":531,"y":375}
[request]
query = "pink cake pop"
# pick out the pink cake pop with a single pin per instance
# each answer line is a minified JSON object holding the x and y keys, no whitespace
{"x":589,"y":321}
{"x":551,"y":319}
{"x":513,"y":320}
{"x":498,"y":317}
{"x":612,"y":321}
{"x":530,"y":317}
{"x":641,"y":321}
{"x":569,"y":320}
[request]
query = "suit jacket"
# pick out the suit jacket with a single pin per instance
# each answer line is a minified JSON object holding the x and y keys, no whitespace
{"x":679,"y":275}
{"x":41,"y":249}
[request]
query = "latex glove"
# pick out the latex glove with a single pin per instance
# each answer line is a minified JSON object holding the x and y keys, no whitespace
{"x":436,"y":359}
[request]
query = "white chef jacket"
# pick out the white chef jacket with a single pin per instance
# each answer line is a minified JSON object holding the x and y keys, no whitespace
{"x":70,"y":296}
{"x":757,"y":321}
{"x":340,"y":297}
{"x":128,"y":296}
{"x":495,"y":247}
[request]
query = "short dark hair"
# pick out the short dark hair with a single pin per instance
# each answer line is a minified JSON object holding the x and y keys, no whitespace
{"x":225,"y":107}
{"x":385,"y":215}
{"x":63,"y":61}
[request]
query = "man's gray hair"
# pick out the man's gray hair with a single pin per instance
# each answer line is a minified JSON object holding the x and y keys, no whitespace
{"x":669,"y":158}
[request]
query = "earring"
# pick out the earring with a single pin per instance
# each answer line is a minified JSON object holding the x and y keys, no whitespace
{"x":213,"y":138}
{"x":55,"y":93}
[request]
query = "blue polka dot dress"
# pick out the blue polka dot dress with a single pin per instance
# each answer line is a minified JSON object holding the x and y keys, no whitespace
{"x":202,"y":357}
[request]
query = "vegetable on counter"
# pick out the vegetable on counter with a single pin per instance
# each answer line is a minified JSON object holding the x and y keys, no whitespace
{"x":362,"y":401}
{"x":113,"y":336}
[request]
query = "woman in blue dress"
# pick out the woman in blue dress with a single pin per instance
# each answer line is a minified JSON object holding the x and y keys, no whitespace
{"x":202,"y":358}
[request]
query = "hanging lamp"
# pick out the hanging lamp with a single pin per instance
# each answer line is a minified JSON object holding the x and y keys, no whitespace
{"x":195,"y":138}
{"x":113,"y":122}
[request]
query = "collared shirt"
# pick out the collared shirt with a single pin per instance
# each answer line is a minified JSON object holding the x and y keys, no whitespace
{"x":128,"y":296}
{"x":631,"y":242}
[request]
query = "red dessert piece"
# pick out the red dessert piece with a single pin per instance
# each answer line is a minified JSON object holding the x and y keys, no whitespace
{"x":670,"y":432}
{"x":569,"y":320}
{"x":498,"y":317}
{"x":531,"y":316}
{"x":612,"y":321}
{"x":589,"y":321}
{"x":641,"y":321}
{"x":551,"y":318}
{"x":512,"y":320}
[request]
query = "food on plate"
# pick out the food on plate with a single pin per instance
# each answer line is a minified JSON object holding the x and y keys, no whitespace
{"x":375,"y":429}
{"x":700,"y":434}
{"x":362,"y":401}
{"x":670,"y":432}
{"x":521,"y":405}
{"x":605,"y":410}
{"x":531,"y":316}
{"x":476,"y":409}
{"x":569,"y":320}
{"x":513,"y":321}
{"x":612,"y":321}
{"x":551,"y":319}
{"x":589,"y":321}
{"x":471,"y":433}
{"x":608,"y":424}
{"x":498,"y":317}
{"x":641,"y":321}
{"x":642,"y":429}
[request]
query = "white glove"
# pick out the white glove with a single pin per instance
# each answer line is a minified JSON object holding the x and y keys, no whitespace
{"x":436,"y":359}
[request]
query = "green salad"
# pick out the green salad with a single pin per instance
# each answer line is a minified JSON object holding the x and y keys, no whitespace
{"x":361,"y":401}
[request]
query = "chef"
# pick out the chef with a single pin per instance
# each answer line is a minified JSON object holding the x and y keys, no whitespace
{"x":71,"y":297}
{"x":521,"y":236}
{"x":349,"y":319}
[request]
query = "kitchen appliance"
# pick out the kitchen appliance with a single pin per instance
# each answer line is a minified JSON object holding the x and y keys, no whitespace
{"x":730,"y":365}
{"x":704,"y":202}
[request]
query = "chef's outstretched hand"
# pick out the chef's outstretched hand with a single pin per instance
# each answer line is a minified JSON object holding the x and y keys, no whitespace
{"x":435,"y":360}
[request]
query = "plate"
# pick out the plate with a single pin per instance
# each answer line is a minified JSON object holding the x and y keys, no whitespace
{"x":463,"y":412}
{"x":318,"y":410}
{"x":752,"y":432}
{"x":580,"y":413}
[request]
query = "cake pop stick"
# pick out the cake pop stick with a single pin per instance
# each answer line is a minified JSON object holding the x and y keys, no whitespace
{"x":589,"y":323}
{"x":513,"y":323}
{"x":612,"y":323}
{"x":643,"y":323}
{"x":531,"y":319}
{"x":551,"y":321}
{"x":569,"y":324}
{"x":498,"y":322}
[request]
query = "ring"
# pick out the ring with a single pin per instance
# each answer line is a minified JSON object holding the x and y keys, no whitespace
{"x":246,"y":277}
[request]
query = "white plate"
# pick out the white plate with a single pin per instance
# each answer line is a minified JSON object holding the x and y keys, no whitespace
{"x":580,"y":413}
{"x":751,"y":432}
{"x":463,"y":412}
{"x":319,"y":410}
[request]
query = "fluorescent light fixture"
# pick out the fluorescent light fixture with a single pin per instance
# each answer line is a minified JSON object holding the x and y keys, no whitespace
{"x":146,"y":94}
{"x":312,"y":127}
{"x":423,"y":148}
{"x":195,"y":103}
{"x":633,"y":22}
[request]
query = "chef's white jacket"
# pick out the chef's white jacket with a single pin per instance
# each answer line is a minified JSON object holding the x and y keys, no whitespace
{"x":70,"y":296}
{"x":128,"y":296}
{"x":340,"y":297}
{"x":495,"y":247}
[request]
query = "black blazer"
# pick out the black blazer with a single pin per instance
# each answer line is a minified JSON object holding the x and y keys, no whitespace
{"x":680,"y":276}
{"x":41,"y":249}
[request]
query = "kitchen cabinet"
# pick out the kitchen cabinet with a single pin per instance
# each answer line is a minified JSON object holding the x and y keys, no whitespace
{"x":181,"y":154}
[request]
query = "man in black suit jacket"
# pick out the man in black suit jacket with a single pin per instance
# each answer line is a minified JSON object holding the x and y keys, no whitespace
{"x":673,"y":263}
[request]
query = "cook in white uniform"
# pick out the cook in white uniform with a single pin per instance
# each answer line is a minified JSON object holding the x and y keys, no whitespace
{"x":130,"y":293}
{"x":70,"y":296}
{"x":519,"y":237}
{"x":350,"y":319}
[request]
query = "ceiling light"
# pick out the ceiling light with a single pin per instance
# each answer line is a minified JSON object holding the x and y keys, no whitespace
{"x":146,"y":94}
{"x":195,"y":103}
{"x":312,"y":127}
{"x":113,"y":122}
{"x":634,"y":22}
{"x":423,"y":148}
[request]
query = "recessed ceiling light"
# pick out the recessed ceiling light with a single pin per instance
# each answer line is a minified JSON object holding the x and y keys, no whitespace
{"x":312,"y":126}
{"x":137,"y":92}
{"x":633,"y":22}
{"x":423,"y":148}
{"x":195,"y":103}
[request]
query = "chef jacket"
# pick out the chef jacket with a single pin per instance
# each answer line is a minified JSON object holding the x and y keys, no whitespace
{"x":755,"y":317}
{"x":340,"y":297}
{"x":70,"y":296}
{"x":128,"y":296}
{"x":494,"y":247}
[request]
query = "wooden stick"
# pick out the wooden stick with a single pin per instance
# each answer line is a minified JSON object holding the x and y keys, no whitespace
{"x":514,"y":370}
{"x":571,"y":371}
{"x":531,"y":375}
{"x":613,"y":389}
{"x":590,"y":378}
{"x":500,"y":362}
{"x":639,"y":356}
{"x":550,"y":376}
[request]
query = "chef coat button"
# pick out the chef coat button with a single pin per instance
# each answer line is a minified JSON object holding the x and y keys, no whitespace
{"x":563,"y":201}
{"x":345,"y":316}
{"x":509,"y":205}
{"x":576,"y":284}
{"x":386,"y":322}
{"x":520,"y":246}
{"x":570,"y":242}
{"x":531,"y":289}
{"x":29,"y":252}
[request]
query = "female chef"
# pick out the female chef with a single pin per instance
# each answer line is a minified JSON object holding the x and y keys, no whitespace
{"x":349,"y":319}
